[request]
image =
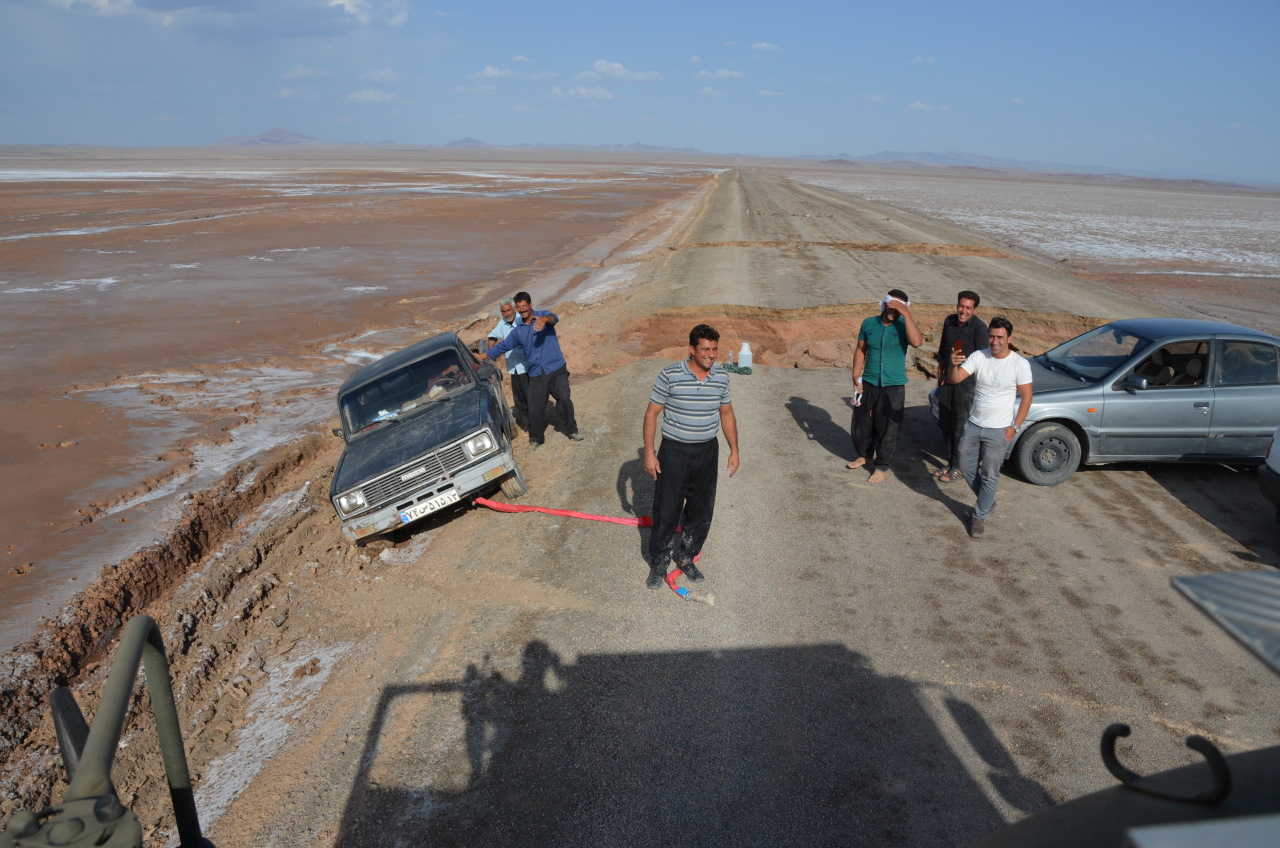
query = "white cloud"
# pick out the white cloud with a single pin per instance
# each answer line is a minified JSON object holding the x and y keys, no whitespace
{"x":542,"y":75}
{"x":695,"y":60}
{"x":764,"y":92}
{"x":871,"y":98}
{"x":921,"y":60}
{"x":1014,"y":101}
{"x":389,"y":12}
{"x":708,"y":91}
{"x":102,"y":7}
{"x":483,"y":88}
{"x":764,"y":45}
{"x":927,"y":107}
{"x":721,"y":74}
{"x":491,"y":73}
{"x":614,"y":70}
{"x":380,"y":75}
{"x":305,"y":72}
{"x":584,"y":93}
{"x":286,"y":93}
{"x":521,"y":58}
{"x":370,"y":95}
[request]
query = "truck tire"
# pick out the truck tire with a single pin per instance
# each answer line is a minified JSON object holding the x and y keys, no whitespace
{"x":513,"y":487}
{"x":1047,"y":454}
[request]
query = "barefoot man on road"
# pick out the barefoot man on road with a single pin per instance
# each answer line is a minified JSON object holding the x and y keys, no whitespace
{"x":880,"y":382}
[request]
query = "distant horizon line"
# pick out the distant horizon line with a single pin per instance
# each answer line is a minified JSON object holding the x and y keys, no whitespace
{"x":279,"y":139}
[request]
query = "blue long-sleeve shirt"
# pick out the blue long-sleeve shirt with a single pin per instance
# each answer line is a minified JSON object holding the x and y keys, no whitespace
{"x":541,"y":347}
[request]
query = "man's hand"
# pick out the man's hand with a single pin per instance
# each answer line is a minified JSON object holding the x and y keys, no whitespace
{"x":651,"y":466}
{"x":733,"y":463}
{"x":541,"y":321}
{"x":1009,"y":433}
{"x":958,"y":357}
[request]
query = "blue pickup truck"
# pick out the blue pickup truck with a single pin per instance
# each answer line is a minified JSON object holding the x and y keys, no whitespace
{"x":424,"y":427}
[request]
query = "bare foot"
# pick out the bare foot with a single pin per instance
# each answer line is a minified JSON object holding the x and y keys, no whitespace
{"x":857,"y":463}
{"x":877,"y":476}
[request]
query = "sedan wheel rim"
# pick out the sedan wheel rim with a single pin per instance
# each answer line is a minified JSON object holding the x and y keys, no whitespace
{"x":1051,"y":454}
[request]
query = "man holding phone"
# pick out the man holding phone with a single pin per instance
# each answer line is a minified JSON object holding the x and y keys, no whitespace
{"x":964,"y":332}
{"x":1001,"y":401}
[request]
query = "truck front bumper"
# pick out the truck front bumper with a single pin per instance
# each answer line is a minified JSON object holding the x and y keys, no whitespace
{"x":430,"y":498}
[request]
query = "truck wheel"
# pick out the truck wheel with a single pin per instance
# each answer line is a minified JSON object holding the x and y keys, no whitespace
{"x":513,"y":486}
{"x":1047,"y":454}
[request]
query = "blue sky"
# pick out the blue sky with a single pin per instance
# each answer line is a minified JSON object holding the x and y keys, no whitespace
{"x":1170,"y":86}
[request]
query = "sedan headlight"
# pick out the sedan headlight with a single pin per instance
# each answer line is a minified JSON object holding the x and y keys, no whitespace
{"x":479,"y":444}
{"x":351,"y":502}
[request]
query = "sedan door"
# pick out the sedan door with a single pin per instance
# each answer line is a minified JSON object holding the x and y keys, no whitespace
{"x":1170,"y":418}
{"x":1246,"y":409}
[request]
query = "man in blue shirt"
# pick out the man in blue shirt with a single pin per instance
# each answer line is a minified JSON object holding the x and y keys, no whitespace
{"x":516,"y":366}
{"x":535,"y":334}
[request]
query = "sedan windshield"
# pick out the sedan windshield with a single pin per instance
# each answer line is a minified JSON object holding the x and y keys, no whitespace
{"x":1097,"y":353}
{"x":404,"y":390}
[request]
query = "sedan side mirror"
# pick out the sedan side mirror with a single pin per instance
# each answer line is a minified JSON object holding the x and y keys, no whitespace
{"x":487,"y":371}
{"x":337,"y":431}
{"x":1133,"y":383}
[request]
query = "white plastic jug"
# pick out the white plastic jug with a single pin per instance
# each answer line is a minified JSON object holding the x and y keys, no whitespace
{"x":744,"y":356}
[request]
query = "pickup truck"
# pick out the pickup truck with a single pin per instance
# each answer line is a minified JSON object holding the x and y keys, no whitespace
{"x":424,"y":427}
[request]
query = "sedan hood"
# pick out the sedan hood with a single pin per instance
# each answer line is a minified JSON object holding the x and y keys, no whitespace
{"x":1045,"y":379}
{"x":396,"y":443}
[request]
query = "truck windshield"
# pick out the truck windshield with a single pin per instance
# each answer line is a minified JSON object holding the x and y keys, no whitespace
{"x":404,"y":390}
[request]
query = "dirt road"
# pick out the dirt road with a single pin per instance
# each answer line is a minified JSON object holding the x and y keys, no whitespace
{"x":868,"y":674}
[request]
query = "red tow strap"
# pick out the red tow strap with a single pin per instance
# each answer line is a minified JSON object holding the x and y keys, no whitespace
{"x":642,"y":521}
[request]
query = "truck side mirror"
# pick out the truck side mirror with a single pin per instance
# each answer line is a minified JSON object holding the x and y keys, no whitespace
{"x":337,"y":431}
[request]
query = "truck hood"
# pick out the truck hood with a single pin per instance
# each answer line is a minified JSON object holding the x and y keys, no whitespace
{"x":396,"y":443}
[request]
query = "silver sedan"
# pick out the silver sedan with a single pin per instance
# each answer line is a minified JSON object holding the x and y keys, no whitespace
{"x":1150,"y":389}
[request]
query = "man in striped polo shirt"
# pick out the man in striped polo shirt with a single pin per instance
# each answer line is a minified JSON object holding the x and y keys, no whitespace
{"x":693,"y":397}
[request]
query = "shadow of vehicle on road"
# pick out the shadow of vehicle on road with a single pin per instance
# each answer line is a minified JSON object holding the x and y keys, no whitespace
{"x":801,"y":745}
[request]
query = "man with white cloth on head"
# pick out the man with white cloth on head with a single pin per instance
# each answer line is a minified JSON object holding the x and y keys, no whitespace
{"x":1001,"y":401}
{"x":880,"y":382}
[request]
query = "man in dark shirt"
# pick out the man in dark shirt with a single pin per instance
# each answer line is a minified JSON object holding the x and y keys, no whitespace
{"x":955,"y":399}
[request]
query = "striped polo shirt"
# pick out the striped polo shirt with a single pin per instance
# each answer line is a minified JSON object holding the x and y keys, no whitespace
{"x":690,"y":407}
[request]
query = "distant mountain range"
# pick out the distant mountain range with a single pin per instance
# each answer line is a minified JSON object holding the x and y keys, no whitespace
{"x":951,"y":161}
{"x":270,"y":138}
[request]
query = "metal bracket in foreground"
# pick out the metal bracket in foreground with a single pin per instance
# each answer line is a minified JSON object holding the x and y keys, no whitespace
{"x":1163,"y":788}
{"x":91,"y":813}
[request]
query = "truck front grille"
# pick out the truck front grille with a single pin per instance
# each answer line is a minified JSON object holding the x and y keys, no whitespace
{"x":435,"y":466}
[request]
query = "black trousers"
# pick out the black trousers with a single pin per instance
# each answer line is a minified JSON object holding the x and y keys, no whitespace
{"x":520,"y":399}
{"x":556,"y":385}
{"x":954,"y":403}
{"x":684,"y":496}
{"x":877,"y":423}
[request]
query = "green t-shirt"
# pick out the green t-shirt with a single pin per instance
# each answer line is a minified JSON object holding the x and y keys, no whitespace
{"x":886,"y":351}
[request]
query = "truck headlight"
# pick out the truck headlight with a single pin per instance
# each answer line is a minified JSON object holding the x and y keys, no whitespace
{"x":480,"y":443}
{"x":351,"y":502}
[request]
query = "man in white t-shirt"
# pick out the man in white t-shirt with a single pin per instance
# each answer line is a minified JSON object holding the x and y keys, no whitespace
{"x":1001,"y":401}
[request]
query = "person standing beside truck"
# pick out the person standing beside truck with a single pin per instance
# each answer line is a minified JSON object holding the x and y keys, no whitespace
{"x":516,"y":367}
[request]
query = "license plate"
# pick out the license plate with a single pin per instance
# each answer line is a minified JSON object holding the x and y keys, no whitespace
{"x":428,"y":507}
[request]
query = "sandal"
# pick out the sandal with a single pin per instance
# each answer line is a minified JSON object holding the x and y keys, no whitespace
{"x":950,"y":476}
{"x":938,"y":472}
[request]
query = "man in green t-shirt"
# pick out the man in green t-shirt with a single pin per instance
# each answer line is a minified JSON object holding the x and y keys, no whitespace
{"x":880,"y":382}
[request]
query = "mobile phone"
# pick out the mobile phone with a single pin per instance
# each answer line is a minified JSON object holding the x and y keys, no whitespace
{"x":957,"y":346}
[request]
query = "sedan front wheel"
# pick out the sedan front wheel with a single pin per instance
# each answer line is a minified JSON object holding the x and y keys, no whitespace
{"x":1047,"y":454}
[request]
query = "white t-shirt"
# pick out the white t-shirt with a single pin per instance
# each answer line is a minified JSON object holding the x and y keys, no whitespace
{"x":995,"y":399}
